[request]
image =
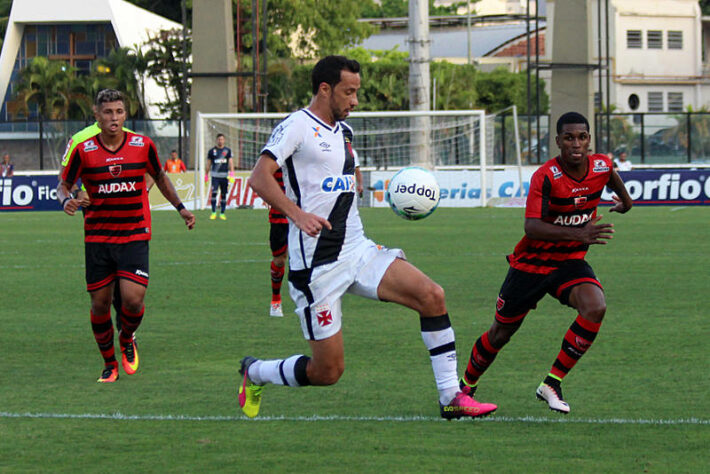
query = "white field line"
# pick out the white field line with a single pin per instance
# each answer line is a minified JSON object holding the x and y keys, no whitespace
{"x":394,"y":419}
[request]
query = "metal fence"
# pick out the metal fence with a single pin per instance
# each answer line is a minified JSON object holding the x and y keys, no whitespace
{"x":35,"y":145}
{"x":648,"y":138}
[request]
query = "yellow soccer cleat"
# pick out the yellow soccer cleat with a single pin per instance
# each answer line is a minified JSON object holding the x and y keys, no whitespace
{"x":222,"y":217}
{"x":213,"y":216}
{"x":249,"y":392}
{"x":129,"y":357}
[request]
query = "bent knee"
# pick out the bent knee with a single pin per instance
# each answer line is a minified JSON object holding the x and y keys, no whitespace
{"x":432,"y":300}
{"x":328,"y":375}
{"x":594,"y":313}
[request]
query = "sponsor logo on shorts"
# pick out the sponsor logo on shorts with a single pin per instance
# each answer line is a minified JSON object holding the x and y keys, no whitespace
{"x":136,"y":141}
{"x":141,"y":273}
{"x":499,"y":303}
{"x":90,"y":145}
{"x":325,"y":318}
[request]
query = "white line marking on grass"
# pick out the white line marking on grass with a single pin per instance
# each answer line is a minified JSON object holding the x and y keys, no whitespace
{"x":316,"y":418}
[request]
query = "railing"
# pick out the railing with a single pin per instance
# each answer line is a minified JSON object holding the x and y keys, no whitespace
{"x":40,"y":145}
{"x":647,"y":138}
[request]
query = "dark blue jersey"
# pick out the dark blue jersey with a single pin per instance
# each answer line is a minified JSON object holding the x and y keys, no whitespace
{"x":219,"y":162}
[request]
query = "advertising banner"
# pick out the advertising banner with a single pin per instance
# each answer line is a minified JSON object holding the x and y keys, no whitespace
{"x":462,"y":188}
{"x":29,"y":193}
{"x":666,"y":187}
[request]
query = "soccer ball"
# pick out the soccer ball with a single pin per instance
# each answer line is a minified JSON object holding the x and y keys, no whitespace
{"x":413,"y":193}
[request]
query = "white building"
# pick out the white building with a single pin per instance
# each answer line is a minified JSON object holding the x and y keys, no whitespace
{"x":77,"y":31}
{"x":655,"y":51}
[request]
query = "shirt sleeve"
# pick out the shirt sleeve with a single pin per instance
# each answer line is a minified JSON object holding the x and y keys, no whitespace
{"x":285,"y":140}
{"x":72,"y":170}
{"x":153,"y":165}
{"x":537,"y":195}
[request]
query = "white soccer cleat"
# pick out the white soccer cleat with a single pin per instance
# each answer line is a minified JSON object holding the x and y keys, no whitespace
{"x":552,"y":394}
{"x":276,"y":310}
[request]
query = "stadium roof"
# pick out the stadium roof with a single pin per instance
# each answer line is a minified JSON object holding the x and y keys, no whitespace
{"x":131,"y":24}
{"x":452,"y":43}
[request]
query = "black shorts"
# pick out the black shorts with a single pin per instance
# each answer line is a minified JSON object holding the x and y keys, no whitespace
{"x":106,"y":263}
{"x":278,"y":239}
{"x":521,"y":291}
{"x":222,"y":184}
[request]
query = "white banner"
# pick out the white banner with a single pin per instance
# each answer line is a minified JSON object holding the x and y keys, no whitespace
{"x":462,"y":188}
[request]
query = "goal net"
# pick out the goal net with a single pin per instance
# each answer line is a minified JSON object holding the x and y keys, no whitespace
{"x":448,"y":142}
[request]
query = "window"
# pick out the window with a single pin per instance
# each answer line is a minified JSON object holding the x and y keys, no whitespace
{"x":654,"y":39}
{"x":675,"y":102}
{"x":634,"y":39}
{"x":655,"y":101}
{"x":675,"y":40}
{"x":597,"y":101}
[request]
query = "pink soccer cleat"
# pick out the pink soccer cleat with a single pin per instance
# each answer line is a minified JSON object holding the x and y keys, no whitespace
{"x":464,"y":405}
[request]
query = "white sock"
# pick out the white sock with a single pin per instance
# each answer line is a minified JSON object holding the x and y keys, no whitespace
{"x":279,"y":371}
{"x":438,"y":336}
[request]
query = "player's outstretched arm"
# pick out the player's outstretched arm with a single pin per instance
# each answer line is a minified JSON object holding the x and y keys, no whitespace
{"x":264,"y":184}
{"x":590,"y":233}
{"x":168,"y":190}
{"x":622,"y":200}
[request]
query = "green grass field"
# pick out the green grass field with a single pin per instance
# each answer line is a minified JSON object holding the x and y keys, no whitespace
{"x":640,"y":398}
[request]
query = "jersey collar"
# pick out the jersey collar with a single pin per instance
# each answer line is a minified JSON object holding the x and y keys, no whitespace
{"x":319,"y":122}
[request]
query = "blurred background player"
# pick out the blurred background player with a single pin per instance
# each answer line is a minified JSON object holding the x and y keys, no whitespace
{"x":112,"y":165}
{"x":278,"y":240}
{"x":174,"y":164}
{"x":7,"y":169}
{"x":561,"y":223}
{"x":221,"y":170}
{"x":329,"y":254}
{"x":622,"y":163}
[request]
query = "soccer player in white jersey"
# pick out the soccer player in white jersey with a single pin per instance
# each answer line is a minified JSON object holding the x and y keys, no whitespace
{"x":329,"y":254}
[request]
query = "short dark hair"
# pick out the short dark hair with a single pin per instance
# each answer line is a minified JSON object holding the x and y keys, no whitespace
{"x":571,"y":117}
{"x":328,"y":70}
{"x":220,"y":135}
{"x":109,"y":95}
{"x":173,"y":151}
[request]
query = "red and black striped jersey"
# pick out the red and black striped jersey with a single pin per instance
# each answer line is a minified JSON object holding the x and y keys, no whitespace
{"x":275,"y":217}
{"x":557,"y":198}
{"x":115,"y":180}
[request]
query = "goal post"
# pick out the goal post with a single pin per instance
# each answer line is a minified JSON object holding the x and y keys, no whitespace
{"x":458,"y":148}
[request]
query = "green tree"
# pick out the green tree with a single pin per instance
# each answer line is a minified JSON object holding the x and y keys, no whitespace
{"x":306,"y":29}
{"x":51,"y":86}
{"x":705,"y":6}
{"x":501,"y":88}
{"x":124,"y":69}
{"x":4,"y":17}
{"x":164,"y":62}
{"x":400,"y":8}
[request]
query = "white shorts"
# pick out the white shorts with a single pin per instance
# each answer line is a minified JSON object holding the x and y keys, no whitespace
{"x":317,"y":292}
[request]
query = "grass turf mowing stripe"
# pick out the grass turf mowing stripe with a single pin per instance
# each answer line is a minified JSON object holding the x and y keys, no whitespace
{"x":498,"y":419}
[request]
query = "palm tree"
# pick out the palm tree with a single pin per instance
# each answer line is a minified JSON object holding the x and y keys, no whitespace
{"x":49,"y":85}
{"x":124,"y":69}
